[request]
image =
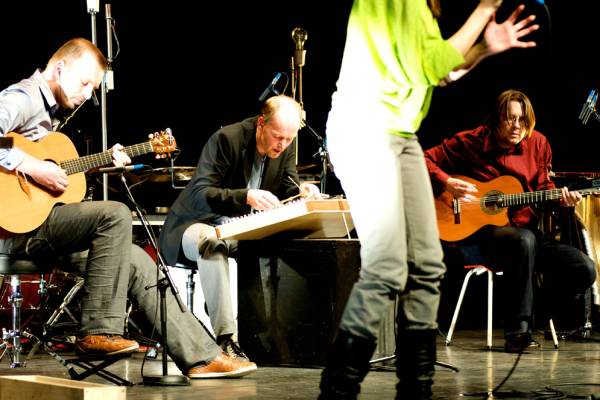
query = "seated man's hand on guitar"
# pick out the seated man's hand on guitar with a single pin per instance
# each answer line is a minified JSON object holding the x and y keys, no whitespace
{"x":46,"y":173}
{"x":261,"y":199}
{"x":461,"y":189}
{"x":120,"y":158}
{"x":569,"y":199}
{"x":310,"y":191}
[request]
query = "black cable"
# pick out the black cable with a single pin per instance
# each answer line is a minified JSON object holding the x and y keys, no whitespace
{"x":514,"y":367}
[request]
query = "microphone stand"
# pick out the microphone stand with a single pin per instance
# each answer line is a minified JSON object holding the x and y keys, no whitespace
{"x":107,"y":84}
{"x":162,"y":284}
{"x":323,"y":153}
{"x":299,"y":36}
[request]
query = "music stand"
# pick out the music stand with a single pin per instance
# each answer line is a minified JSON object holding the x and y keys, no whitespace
{"x":162,"y":284}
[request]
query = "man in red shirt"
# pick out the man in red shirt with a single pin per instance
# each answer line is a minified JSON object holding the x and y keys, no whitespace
{"x":509,"y":145}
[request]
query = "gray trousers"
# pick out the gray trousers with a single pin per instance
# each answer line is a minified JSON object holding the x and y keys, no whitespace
{"x":113,"y":270}
{"x":200,"y":244}
{"x":391,"y":200}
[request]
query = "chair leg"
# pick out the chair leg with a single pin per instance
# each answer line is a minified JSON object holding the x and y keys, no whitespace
{"x":190,"y":287}
{"x":553,"y":333}
{"x":458,"y":304}
{"x":490,"y":308}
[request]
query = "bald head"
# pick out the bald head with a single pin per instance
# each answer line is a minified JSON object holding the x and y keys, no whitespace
{"x":277,"y":125}
{"x":284,"y":109}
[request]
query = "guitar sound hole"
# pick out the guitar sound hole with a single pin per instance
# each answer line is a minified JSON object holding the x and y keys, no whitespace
{"x":490,"y":203}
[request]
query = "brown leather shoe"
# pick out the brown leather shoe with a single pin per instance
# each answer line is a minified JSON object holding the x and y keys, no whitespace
{"x":222,"y":366}
{"x":105,"y":344}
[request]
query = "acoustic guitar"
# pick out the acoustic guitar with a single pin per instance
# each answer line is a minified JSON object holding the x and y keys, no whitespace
{"x":25,"y":205}
{"x":458,"y":219}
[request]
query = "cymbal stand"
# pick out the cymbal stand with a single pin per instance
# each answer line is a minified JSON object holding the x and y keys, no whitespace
{"x":162,"y":284}
{"x":173,"y":180}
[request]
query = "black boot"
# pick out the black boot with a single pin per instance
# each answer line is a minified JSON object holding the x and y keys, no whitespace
{"x":347,"y":366}
{"x":415,"y":363}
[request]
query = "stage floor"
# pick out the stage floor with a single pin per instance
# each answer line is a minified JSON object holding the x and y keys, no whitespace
{"x":572,"y":370}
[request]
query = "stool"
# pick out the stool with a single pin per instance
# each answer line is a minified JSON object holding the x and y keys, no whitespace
{"x":190,"y":285}
{"x":479,"y":269}
{"x":16,"y":266}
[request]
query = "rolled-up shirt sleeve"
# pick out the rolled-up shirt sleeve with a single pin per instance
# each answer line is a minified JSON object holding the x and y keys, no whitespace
{"x":12,"y":106}
{"x":25,"y":108}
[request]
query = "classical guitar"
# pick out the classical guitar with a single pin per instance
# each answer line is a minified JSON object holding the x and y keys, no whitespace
{"x":25,"y":205}
{"x":458,"y":219}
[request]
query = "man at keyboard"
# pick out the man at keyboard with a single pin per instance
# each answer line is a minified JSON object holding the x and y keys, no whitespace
{"x":245,"y":166}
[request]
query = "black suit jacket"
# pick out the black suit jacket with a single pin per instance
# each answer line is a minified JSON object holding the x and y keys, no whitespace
{"x":219,"y":185}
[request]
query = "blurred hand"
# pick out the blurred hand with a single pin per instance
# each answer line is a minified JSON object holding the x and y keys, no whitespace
{"x":570,"y":199}
{"x":119,"y":157}
{"x":261,"y":199}
{"x":501,"y":37}
{"x":310,"y":191}
{"x":461,"y":189}
{"x":46,"y":173}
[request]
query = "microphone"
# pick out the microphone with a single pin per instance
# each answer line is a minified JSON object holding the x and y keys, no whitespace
{"x":95,"y":98}
{"x":109,"y":76}
{"x":270,"y":89}
{"x":589,"y":107}
{"x":119,"y":170}
{"x":299,"y":35}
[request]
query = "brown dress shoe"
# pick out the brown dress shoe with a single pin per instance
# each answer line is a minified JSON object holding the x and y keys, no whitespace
{"x":105,"y":344}
{"x":222,"y":366}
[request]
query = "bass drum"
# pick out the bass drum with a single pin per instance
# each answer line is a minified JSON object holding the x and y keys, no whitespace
{"x":32,"y":299}
{"x":588,"y":215}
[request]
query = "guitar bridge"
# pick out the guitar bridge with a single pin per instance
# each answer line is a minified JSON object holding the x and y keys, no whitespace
{"x":456,"y":210}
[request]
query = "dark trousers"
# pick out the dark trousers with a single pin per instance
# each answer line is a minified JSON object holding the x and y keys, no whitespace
{"x":522,"y":254}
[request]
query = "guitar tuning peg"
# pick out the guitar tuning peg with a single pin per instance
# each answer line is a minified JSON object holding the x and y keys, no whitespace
{"x":150,"y":136}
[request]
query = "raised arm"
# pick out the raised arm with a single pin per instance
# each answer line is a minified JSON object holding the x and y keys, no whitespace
{"x":497,"y":38}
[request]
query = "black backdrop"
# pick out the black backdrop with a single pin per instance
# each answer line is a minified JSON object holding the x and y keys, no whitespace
{"x":194,"y":66}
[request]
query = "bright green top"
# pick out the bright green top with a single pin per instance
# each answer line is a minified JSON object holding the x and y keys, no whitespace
{"x":395,"y":56}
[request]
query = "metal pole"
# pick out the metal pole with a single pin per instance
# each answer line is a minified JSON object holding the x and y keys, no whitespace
{"x":299,"y":36}
{"x":107,"y":84}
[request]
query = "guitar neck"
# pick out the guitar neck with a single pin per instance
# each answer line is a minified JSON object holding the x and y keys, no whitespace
{"x":85,"y":163}
{"x":520,"y":199}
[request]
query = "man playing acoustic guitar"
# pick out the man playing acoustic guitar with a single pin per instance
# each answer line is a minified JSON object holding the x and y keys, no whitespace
{"x":114,"y":268}
{"x":508,"y":145}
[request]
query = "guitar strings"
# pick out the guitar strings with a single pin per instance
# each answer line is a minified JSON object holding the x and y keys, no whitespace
{"x":551,"y":194}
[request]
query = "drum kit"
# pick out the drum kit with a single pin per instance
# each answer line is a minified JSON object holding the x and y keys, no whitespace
{"x":42,"y":294}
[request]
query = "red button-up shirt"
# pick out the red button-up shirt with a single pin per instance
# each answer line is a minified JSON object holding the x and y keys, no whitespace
{"x":476,"y":154}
